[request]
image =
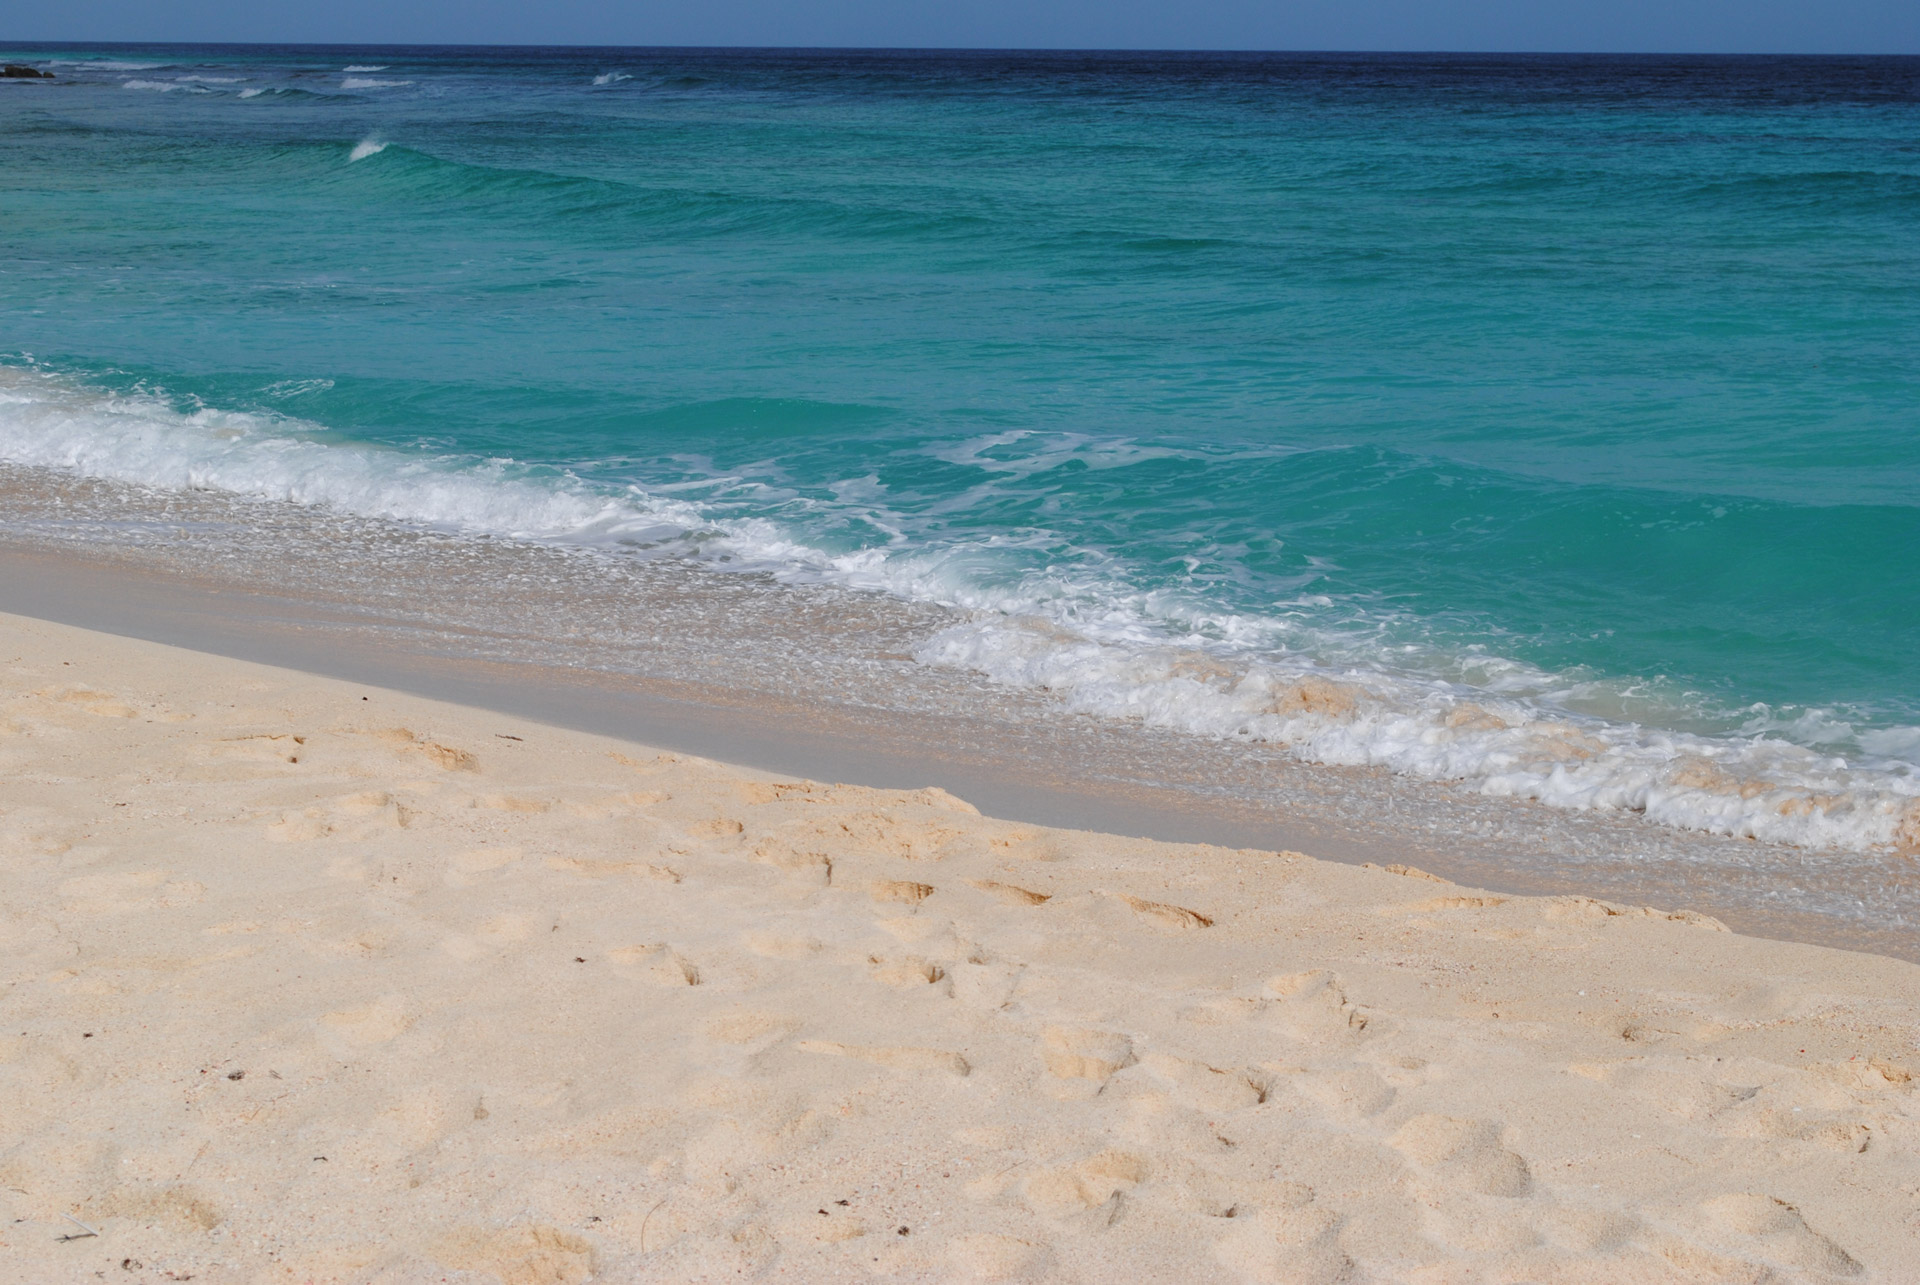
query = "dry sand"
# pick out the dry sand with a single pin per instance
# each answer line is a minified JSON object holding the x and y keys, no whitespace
{"x":310,"y":981}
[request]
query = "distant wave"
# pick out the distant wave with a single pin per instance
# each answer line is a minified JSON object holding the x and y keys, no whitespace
{"x":376,"y":67}
{"x":1499,"y":727}
{"x":590,"y":202}
{"x":611,"y":78}
{"x":106,"y":64}
{"x":364,"y":148}
{"x":361,"y":82}
{"x":165,"y":86}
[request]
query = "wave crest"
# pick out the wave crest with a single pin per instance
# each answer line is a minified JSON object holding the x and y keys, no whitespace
{"x":1753,"y":787}
{"x":1499,"y":728}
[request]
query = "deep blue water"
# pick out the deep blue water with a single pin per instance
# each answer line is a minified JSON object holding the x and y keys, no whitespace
{"x":1561,"y":412}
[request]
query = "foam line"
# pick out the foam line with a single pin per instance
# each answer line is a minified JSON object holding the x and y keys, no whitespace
{"x":1100,"y":645}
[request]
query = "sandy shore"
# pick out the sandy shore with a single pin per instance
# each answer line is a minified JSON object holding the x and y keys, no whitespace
{"x":701,"y":662}
{"x":311,"y":981}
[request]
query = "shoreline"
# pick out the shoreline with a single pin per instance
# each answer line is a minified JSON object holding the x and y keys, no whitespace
{"x":1033,"y":765}
{"x":314,"y":980}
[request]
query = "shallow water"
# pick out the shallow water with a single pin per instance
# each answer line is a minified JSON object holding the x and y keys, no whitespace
{"x":1541,"y":425}
{"x":821,"y":682}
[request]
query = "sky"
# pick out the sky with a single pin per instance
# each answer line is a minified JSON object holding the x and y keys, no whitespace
{"x":1669,"y":26}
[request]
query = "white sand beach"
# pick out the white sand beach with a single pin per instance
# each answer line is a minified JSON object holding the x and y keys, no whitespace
{"x":311,"y":981}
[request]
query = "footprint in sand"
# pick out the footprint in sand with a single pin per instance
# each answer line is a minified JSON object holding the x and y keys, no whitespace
{"x":1595,"y":910}
{"x":445,"y":757}
{"x":1077,"y":1053}
{"x":898,"y":1058}
{"x":1011,"y":894}
{"x":659,"y":964}
{"x":176,"y":1208}
{"x":380,"y":1021}
{"x":1589,"y":1231}
{"x":1024,"y":845}
{"x":993,"y":1257}
{"x":300,"y":827}
{"x":1685,"y":1087}
{"x":807,"y":865}
{"x":987,"y":986}
{"x":513,"y":803}
{"x":900,"y":890}
{"x":1299,"y":1246}
{"x":1164,"y":916}
{"x":881,"y":833}
{"x":99,"y":704}
{"x":751,"y":1031}
{"x":782,"y":945}
{"x":1465,"y":1153}
{"x":1775,"y":1229}
{"x":264,"y":748}
{"x":376,"y":804}
{"x":126,"y":891}
{"x":1206,"y":1087}
{"x":607,"y":807}
{"x":465,"y":868}
{"x":595,"y":868}
{"x":519,"y":1255}
{"x":353,"y":816}
{"x":908,"y":972}
{"x":819,"y":1227}
{"x":1315,"y":1007}
{"x":1084,"y":1184}
{"x":1349,"y":1096}
{"x":1435,"y":905}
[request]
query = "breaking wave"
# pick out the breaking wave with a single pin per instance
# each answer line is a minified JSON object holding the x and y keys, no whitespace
{"x":1100,"y":645}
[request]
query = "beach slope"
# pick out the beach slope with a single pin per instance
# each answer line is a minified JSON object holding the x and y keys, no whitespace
{"x":311,"y":981}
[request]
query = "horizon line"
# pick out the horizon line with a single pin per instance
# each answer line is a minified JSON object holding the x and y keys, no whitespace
{"x":954,"y":49}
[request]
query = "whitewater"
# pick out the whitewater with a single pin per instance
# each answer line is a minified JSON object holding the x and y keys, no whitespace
{"x":1482,"y":421}
{"x":1101,"y":649}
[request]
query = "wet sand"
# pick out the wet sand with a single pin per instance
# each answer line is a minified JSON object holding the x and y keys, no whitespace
{"x":819,"y":682}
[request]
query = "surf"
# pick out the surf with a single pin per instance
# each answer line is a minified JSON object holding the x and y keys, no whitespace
{"x":1097,"y":641}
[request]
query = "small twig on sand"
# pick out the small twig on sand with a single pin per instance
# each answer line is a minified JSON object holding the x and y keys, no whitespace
{"x":84,"y":1232}
{"x":648,"y":1219}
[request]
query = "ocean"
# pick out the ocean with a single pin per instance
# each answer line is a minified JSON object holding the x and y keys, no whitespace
{"x":1547,"y":428}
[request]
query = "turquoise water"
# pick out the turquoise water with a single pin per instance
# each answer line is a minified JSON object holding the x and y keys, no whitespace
{"x":1545,"y":424}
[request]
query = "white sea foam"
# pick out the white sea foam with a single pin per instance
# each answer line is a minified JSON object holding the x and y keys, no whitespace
{"x":355,"y":67}
{"x":1497,"y":726}
{"x":611,"y":78}
{"x":364,"y":148}
{"x":252,"y":93}
{"x":363,"y":82}
{"x":296,"y":388}
{"x":1754,"y":786}
{"x":144,"y":439}
{"x":213,"y":80}
{"x":163,"y":86}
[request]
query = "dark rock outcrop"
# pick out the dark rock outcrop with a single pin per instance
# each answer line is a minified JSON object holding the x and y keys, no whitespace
{"x":14,"y":71}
